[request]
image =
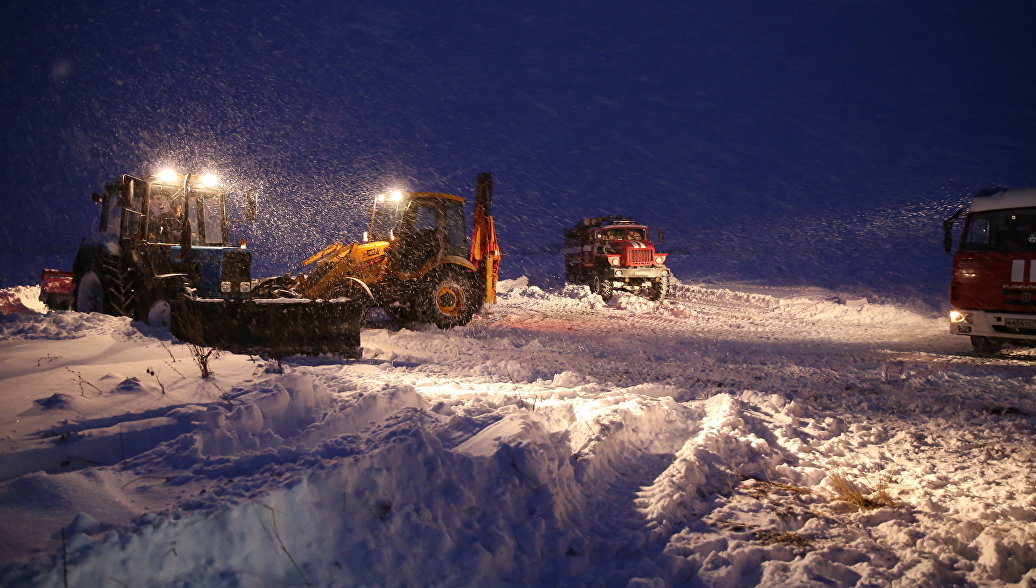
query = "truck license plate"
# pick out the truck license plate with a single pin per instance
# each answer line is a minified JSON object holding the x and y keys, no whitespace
{"x":1020,"y":323}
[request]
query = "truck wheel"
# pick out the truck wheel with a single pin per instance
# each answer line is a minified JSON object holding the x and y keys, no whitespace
{"x":447,"y":300}
{"x":658,"y":290}
{"x":573,"y":275}
{"x":603,"y":288}
{"x":986,"y":346}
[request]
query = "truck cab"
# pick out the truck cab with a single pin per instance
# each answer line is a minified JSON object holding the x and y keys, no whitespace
{"x":993,"y":285}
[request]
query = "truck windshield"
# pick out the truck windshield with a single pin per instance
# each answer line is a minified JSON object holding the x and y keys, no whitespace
{"x":1007,"y":231}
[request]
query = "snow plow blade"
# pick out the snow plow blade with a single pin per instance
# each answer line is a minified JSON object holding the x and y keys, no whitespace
{"x":273,"y":328}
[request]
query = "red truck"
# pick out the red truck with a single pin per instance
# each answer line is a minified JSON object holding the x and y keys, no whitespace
{"x":993,"y":290}
{"x":615,"y":253}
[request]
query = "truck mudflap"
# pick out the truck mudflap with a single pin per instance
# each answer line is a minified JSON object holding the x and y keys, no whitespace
{"x":272,"y":328}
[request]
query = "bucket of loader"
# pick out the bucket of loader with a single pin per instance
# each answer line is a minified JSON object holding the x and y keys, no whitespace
{"x":274,"y":328}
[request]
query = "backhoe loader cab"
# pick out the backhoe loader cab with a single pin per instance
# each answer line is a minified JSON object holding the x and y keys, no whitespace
{"x":421,"y":227}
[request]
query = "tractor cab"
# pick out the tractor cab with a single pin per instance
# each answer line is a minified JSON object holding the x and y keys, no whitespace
{"x":170,"y":226}
{"x":159,"y":209}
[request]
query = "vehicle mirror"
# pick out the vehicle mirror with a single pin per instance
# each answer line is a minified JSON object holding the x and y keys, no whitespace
{"x":661,"y":236}
{"x":947,"y":230}
{"x":251,"y":205}
{"x":125,"y":193}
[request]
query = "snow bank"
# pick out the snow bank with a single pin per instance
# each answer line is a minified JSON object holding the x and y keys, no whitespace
{"x":555,"y":440}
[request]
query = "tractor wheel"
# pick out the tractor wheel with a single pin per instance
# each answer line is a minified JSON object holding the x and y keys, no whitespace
{"x":120,"y":293}
{"x":603,"y":288}
{"x":658,"y":290}
{"x":106,"y":287}
{"x":402,"y":314}
{"x":89,"y":292}
{"x":159,"y":314}
{"x":154,"y":309}
{"x":447,"y":299}
{"x":986,"y":346}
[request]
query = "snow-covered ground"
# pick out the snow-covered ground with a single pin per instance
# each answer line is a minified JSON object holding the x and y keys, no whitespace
{"x":730,"y":436}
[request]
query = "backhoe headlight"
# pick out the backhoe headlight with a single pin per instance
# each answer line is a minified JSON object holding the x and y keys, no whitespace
{"x":246,"y":286}
{"x":957,"y":316}
{"x":224,"y":286}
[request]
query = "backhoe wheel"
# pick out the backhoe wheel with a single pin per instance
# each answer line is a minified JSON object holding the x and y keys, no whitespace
{"x":986,"y":346}
{"x":658,"y":289}
{"x":447,"y":299}
{"x":603,"y":288}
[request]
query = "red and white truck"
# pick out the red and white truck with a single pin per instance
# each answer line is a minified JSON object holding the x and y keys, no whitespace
{"x":993,"y":290}
{"x":616,"y":253}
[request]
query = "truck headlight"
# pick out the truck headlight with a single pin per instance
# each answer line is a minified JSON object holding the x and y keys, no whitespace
{"x":957,"y":316}
{"x":659,"y":259}
{"x":613,"y":260}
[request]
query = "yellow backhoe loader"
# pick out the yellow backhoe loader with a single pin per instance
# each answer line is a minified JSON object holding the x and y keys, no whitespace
{"x":415,"y":260}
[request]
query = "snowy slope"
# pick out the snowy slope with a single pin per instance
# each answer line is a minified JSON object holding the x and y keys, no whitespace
{"x":557,"y":440}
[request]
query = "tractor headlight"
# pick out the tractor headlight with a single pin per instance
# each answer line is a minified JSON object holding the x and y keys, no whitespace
{"x":957,"y":316}
{"x":208,"y":180}
{"x":168,"y":175}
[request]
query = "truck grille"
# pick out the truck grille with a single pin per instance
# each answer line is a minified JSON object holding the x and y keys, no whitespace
{"x":640,"y":256}
{"x":1019,"y":297}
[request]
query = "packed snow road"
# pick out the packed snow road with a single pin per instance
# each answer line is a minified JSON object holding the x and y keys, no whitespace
{"x":728,"y":437}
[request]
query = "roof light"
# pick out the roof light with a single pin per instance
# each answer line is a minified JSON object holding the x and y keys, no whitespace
{"x":168,"y":175}
{"x":396,"y":195}
{"x":208,"y":180}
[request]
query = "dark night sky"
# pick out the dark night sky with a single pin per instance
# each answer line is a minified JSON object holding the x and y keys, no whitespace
{"x":813,"y":141}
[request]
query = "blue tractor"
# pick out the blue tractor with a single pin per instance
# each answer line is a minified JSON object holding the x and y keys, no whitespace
{"x":162,"y":256}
